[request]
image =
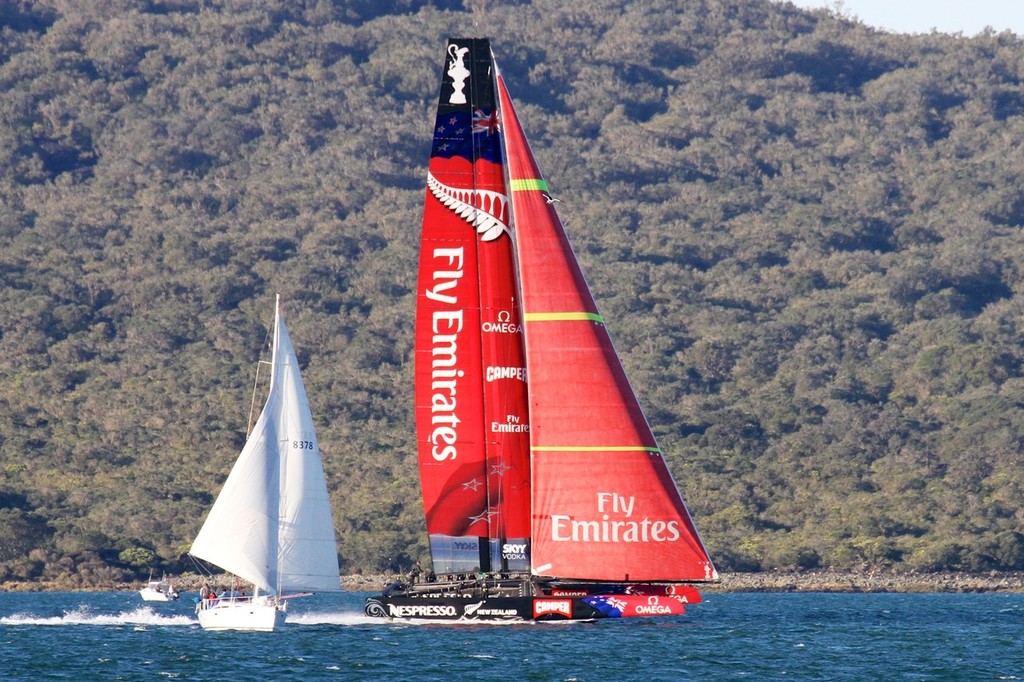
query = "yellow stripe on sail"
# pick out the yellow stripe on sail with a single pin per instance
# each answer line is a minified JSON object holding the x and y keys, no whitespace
{"x":526,"y":184}
{"x":594,"y":448}
{"x":556,"y":317}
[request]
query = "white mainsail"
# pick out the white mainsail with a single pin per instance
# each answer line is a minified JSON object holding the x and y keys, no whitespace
{"x":271,"y":524}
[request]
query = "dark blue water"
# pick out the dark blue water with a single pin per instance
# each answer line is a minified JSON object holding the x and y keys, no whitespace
{"x":83,"y":636}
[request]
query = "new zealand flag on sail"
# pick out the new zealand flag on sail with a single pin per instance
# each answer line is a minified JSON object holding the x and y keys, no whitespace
{"x":450,"y":139}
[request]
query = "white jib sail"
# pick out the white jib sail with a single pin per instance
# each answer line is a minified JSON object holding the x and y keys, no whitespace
{"x":271,"y":524}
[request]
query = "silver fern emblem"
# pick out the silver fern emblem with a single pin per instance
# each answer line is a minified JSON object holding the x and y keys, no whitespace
{"x":485,"y":210}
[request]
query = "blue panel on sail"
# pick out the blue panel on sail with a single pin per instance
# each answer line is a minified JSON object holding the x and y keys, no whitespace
{"x":450,"y":137}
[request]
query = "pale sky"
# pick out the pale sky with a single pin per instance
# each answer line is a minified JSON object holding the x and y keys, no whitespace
{"x":968,"y":17}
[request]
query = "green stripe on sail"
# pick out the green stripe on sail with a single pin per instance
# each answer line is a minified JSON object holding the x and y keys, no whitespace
{"x":528,"y":184}
{"x":554,"y":317}
{"x":594,"y":448}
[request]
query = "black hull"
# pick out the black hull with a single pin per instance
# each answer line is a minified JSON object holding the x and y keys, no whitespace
{"x":519,"y":599}
{"x":481,"y":609}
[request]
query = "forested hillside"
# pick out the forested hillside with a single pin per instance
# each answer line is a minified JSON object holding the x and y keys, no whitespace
{"x":807,"y":237}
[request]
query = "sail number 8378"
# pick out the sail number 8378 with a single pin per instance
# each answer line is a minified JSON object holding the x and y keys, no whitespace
{"x":303,"y":445}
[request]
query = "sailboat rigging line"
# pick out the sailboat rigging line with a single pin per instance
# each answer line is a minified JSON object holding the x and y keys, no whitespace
{"x":255,"y":386}
{"x":201,"y":567}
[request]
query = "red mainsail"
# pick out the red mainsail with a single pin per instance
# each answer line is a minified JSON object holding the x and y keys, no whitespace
{"x":604,"y":505}
{"x":471,"y":401}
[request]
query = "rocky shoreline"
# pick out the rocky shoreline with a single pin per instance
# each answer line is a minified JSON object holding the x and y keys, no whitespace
{"x":772,"y":581}
{"x":869,"y":581}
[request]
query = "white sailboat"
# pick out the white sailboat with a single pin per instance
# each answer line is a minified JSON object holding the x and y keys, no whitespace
{"x":271,"y":524}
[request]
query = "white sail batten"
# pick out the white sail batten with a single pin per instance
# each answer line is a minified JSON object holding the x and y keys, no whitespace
{"x":271,"y":525}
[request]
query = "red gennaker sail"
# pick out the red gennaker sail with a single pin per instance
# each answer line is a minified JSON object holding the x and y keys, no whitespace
{"x":605,"y":506}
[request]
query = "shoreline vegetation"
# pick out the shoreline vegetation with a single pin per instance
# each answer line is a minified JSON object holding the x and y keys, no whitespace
{"x":833,"y":366}
{"x":768,"y":581}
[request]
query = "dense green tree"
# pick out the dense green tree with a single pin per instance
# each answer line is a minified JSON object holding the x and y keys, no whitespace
{"x":805,"y":234}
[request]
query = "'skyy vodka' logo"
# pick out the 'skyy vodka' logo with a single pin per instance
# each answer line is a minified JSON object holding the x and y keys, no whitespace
{"x":514,"y":551}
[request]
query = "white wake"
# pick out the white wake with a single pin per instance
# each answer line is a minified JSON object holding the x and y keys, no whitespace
{"x":85,"y":615}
